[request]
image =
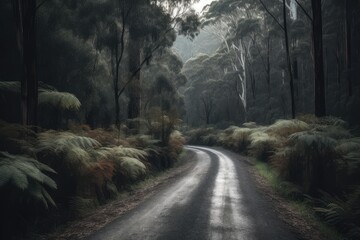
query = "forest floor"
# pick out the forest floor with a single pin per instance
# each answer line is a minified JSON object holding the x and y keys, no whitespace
{"x":298,"y":219}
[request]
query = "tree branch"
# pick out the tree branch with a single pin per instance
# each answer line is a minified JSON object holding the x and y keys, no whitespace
{"x":267,"y":10}
{"x":304,"y":10}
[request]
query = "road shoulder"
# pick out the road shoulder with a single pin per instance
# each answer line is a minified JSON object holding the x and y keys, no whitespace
{"x":103,"y":215}
{"x":299,"y":221}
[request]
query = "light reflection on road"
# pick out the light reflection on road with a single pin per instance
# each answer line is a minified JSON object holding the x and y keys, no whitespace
{"x":226,"y":219}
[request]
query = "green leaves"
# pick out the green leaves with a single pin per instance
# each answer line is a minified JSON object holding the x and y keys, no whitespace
{"x":60,"y":100}
{"x":48,"y":95}
{"x":58,"y":141}
{"x":27,"y":176}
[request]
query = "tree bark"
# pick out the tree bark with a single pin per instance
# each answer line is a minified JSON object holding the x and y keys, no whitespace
{"x":293,"y":111}
{"x":134,"y":89}
{"x":348,"y":16}
{"x":268,"y":66}
{"x":320,"y":107}
{"x":25,"y":17}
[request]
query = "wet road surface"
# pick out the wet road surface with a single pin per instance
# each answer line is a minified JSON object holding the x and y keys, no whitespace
{"x":216,"y":199}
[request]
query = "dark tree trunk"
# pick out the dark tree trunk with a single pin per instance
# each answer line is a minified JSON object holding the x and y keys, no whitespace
{"x":25,"y":17}
{"x":288,"y":59}
{"x":348,"y":16}
{"x":320,"y":109}
{"x":268,"y":66}
{"x":135,"y":85}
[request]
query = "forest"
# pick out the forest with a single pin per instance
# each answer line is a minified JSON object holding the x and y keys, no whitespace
{"x":98,"y":96}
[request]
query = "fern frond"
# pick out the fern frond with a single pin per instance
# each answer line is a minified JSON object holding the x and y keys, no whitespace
{"x":129,"y":152}
{"x":336,"y":132}
{"x":58,"y":141}
{"x":27,"y":175}
{"x":313,"y":139}
{"x":348,"y":145}
{"x":132,"y":167}
{"x":62,"y":100}
{"x":285,"y":128}
{"x":11,"y":86}
{"x":262,"y":145}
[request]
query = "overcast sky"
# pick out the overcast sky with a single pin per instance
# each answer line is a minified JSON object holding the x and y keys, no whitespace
{"x":199,"y":6}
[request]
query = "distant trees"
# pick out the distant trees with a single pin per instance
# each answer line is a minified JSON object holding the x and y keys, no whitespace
{"x":294,"y":38}
{"x":99,"y":46}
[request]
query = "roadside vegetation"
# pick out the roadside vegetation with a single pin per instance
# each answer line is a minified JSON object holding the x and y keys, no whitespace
{"x":314,"y":161}
{"x":48,"y":177}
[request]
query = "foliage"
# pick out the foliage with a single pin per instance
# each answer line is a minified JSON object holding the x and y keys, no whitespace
{"x":60,"y":100}
{"x":59,"y":141}
{"x":284,"y":128}
{"x":344,"y":214}
{"x":26,"y":177}
{"x":202,"y":136}
{"x":262,"y":145}
{"x":319,"y":157}
{"x":16,"y":138}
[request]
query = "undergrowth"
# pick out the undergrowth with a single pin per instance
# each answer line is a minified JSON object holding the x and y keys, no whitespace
{"x":48,"y":177}
{"x":308,"y":157}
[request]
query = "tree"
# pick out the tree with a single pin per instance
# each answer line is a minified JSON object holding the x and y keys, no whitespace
{"x":320,"y":110}
{"x":284,"y":27}
{"x":25,"y":18}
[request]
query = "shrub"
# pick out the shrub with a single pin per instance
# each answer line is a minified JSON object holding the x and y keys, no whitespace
{"x":201,"y":136}
{"x":16,"y":138}
{"x":342,"y":213}
{"x":349,"y":162}
{"x":26,"y":177}
{"x":312,"y":158}
{"x":239,"y":140}
{"x":24,"y":186}
{"x":262,"y":145}
{"x":285,"y":128}
{"x":176,"y":143}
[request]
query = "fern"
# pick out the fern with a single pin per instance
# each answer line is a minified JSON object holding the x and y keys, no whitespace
{"x":132,"y":168}
{"x":176,"y":142}
{"x":239,"y":140}
{"x":59,"y":141}
{"x":311,"y":157}
{"x":120,"y":152}
{"x":336,"y":132}
{"x":16,"y":138}
{"x":310,"y":139}
{"x":47,"y":95}
{"x":27,"y":175}
{"x":11,"y":86}
{"x":343,"y":214}
{"x":262,"y":145}
{"x":348,"y":145}
{"x":62,"y":100}
{"x":285,"y":128}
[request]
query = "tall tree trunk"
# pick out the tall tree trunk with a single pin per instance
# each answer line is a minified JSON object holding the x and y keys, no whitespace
{"x":293,"y":111}
{"x":135,"y":85}
{"x":268,"y":66}
{"x":320,"y":108}
{"x":25,"y":17}
{"x":348,"y":16}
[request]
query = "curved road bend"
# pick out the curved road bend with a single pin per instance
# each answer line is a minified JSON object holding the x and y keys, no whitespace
{"x":216,"y":199}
